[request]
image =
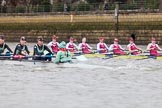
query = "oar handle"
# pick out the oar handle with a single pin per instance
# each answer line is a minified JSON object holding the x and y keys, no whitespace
{"x":30,"y":56}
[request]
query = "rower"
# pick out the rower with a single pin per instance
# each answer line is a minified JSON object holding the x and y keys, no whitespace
{"x":71,"y":46}
{"x":63,"y":55}
{"x":39,"y":50}
{"x":4,"y":46}
{"x":116,"y":48}
{"x":133,"y":49}
{"x":54,"y":44}
{"x":153,"y":48}
{"x":101,"y":46}
{"x":86,"y":49}
{"x":21,"y":49}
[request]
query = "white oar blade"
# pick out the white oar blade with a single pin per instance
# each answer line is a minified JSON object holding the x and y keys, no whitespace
{"x":81,"y":58}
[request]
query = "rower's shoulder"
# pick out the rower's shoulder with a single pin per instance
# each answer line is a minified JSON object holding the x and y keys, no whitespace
{"x":5,"y":44}
{"x":149,"y":44}
{"x":128,"y":45}
{"x":18,"y":45}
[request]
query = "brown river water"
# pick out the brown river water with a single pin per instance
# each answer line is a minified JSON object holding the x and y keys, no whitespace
{"x":95,"y":83}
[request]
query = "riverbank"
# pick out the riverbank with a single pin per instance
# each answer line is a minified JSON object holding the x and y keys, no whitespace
{"x":144,"y":26}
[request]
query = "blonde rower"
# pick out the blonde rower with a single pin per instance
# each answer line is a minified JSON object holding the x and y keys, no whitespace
{"x":86,"y":49}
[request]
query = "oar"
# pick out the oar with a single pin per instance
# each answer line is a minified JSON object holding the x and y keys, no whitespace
{"x":5,"y":56}
{"x":100,"y":50}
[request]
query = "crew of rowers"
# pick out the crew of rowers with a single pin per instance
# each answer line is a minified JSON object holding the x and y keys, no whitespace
{"x":64,"y":51}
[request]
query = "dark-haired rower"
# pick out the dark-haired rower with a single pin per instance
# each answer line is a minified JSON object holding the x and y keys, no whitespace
{"x":39,"y":50}
{"x":21,"y":49}
{"x":4,"y":46}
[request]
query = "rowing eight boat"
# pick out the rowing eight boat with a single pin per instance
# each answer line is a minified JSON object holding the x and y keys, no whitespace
{"x":84,"y":57}
{"x":145,"y":56}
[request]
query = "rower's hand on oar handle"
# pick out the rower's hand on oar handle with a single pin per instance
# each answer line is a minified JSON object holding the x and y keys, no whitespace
{"x":140,"y":50}
{"x":151,"y":48}
{"x":24,"y":53}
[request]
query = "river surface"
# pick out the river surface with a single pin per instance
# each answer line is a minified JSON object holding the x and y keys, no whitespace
{"x":95,"y":83}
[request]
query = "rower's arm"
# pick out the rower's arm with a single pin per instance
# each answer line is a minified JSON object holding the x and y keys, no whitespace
{"x":17,"y":50}
{"x":106,"y":46}
{"x":148,"y":47}
{"x":158,"y":47}
{"x":121,"y":47}
{"x":9,"y":49}
{"x":139,"y":49}
{"x":89,"y":46}
{"x":111,"y":47}
{"x":98,"y":46}
{"x":27,"y":50}
{"x":76,"y":46}
{"x":49,"y":44}
{"x":46,"y":48}
{"x":129,"y":48}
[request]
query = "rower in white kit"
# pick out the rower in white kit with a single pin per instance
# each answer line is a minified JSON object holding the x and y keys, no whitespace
{"x":132,"y":48}
{"x":153,"y":48}
{"x":84,"y":47}
{"x":101,"y":46}
{"x":116,"y":48}
{"x":71,"y":46}
{"x":54,"y":44}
